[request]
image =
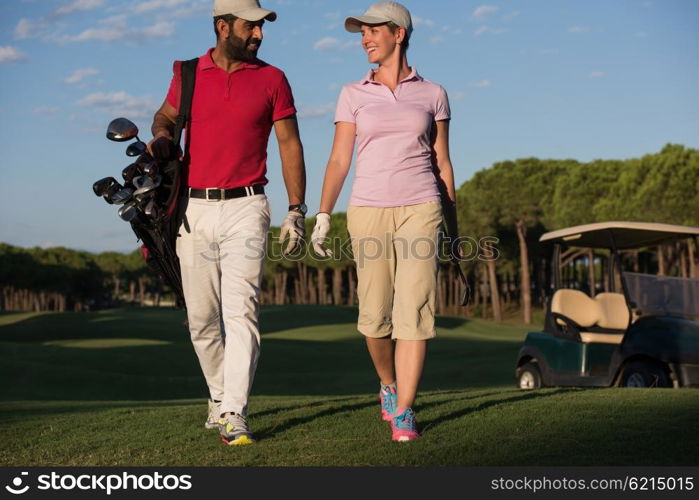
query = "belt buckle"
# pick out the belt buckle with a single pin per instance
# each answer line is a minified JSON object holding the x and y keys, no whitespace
{"x":221,"y":190}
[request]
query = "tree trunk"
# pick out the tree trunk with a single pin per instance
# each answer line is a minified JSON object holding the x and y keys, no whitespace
{"x":692,"y":251}
{"x":141,"y":291}
{"x":303,"y":282}
{"x":526,"y":279}
{"x":494,"y":294}
{"x":132,"y":291}
{"x":117,"y":283}
{"x":322,"y":287}
{"x":313,"y":285}
{"x":337,"y":286}
{"x":684,"y":263}
{"x":352,"y":286}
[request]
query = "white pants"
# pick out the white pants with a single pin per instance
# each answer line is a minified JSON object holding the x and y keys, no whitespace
{"x":221,"y":247}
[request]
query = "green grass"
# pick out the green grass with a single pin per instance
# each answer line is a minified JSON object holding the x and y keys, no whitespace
{"x":123,"y":387}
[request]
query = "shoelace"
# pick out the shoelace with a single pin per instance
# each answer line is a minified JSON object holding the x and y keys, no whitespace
{"x":405,"y":420}
{"x":237,"y":421}
{"x":387,"y":400}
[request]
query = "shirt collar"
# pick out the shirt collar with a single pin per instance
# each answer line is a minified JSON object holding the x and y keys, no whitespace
{"x":413,"y":76}
{"x":206,"y":62}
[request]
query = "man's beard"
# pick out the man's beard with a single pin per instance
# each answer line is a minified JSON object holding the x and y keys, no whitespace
{"x":237,"y":48}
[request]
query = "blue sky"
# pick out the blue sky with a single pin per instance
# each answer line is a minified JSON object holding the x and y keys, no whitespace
{"x":547,"y":78}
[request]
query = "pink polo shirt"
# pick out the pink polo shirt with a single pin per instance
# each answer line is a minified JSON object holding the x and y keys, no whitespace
{"x":394,"y":131}
{"x":232,"y":117}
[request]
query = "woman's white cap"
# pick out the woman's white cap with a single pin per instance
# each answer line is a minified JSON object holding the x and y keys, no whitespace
{"x":379,"y":13}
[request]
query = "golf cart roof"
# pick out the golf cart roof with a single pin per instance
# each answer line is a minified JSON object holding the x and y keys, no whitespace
{"x":622,"y":235}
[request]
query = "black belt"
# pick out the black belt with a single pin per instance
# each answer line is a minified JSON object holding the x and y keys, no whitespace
{"x":218,"y":194}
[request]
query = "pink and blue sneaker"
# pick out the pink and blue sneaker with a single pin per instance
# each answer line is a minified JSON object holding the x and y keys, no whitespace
{"x":389,"y":401}
{"x":404,"y":426}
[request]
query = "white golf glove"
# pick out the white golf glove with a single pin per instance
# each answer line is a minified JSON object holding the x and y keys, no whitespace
{"x":294,"y":226}
{"x":320,"y":234}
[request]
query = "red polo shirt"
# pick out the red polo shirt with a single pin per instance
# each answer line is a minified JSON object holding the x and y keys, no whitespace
{"x":232,"y":116}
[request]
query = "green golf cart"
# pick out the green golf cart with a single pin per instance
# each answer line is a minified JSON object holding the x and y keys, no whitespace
{"x":640,"y":330}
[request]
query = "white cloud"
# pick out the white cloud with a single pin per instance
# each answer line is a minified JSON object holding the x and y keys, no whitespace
{"x":509,"y":16}
{"x":318,"y":111}
{"x":485,"y":29}
{"x":421,"y":21}
{"x":79,"y":74}
{"x":115,"y":28}
{"x":550,"y":51}
{"x":76,"y":6}
{"x":25,"y":28}
{"x":458,"y":96}
{"x":641,"y":34}
{"x":596,"y":74}
{"x":437,"y":39}
{"x":10,"y":54}
{"x":330,"y":43}
{"x":120,"y":103}
{"x":483,"y":84}
{"x":150,"y":5}
{"x":46,"y":110}
{"x":578,"y":29}
{"x":484,"y":11}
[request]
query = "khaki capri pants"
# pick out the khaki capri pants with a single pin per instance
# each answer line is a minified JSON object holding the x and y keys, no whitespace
{"x":395,"y":251}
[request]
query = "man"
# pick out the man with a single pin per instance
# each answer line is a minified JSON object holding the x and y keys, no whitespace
{"x":237,"y":100}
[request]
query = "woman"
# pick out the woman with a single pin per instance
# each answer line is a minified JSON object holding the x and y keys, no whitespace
{"x":400,"y":123}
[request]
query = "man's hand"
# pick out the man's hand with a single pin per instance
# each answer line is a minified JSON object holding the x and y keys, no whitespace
{"x":294,"y":226}
{"x":320,"y":233}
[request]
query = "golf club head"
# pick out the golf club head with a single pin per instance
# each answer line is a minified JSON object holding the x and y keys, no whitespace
{"x":136,"y":148}
{"x":151,"y":169}
{"x":144,"y":184}
{"x":129,"y":211}
{"x":131,"y":171}
{"x":101,"y":186}
{"x":151,"y":209}
{"x":122,"y":196}
{"x":111,"y":191}
{"x":121,"y":129}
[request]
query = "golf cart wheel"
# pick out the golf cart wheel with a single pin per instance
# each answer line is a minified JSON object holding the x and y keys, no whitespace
{"x":645,"y":374}
{"x":529,"y":377}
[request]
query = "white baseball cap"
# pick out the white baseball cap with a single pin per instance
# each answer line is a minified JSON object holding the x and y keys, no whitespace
{"x":249,"y":10}
{"x":379,"y":13}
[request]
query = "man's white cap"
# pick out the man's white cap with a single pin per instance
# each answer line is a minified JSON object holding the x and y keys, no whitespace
{"x":249,"y":10}
{"x":379,"y":13}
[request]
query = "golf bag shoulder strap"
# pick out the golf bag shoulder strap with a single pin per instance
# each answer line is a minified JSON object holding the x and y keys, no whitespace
{"x":188,"y":70}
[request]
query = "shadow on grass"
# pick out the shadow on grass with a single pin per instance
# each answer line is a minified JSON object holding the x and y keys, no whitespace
{"x":338,"y":364}
{"x":483,"y":406}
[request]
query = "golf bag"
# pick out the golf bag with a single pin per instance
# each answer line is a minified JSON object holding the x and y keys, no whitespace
{"x":159,"y":234}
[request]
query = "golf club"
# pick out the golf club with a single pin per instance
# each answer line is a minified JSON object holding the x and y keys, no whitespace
{"x":151,"y":169}
{"x":122,"y":196}
{"x":144,"y":184}
{"x":129,"y":211}
{"x":122,"y":129}
{"x":131,"y":171}
{"x":101,"y":186}
{"x":136,"y":149}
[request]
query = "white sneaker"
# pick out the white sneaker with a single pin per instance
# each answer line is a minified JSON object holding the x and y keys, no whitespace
{"x":234,"y":430}
{"x":214,"y":415}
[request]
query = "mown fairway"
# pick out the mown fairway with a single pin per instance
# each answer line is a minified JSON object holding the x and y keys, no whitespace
{"x":123,"y":387}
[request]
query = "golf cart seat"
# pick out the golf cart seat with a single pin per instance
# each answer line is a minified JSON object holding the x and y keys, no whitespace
{"x":593,"y":321}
